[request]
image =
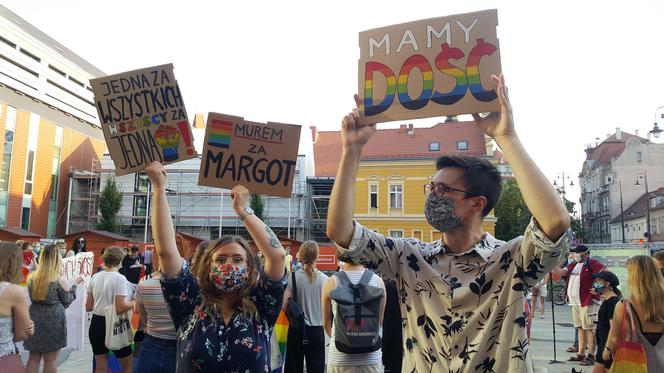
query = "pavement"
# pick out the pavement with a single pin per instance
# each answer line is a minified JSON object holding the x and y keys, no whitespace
{"x":541,"y":346}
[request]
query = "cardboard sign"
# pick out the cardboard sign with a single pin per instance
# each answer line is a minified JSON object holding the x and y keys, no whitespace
{"x":143,"y":118}
{"x":434,"y":67}
{"x":262,"y":157}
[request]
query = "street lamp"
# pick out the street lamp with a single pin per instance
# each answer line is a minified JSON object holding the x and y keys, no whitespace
{"x":656,"y":131}
{"x":644,"y":175}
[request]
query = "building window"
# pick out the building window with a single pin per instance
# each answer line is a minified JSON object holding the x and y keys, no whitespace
{"x":29,"y":168}
{"x":434,"y":146}
{"x":10,"y":126}
{"x":417,"y":235}
{"x":638,"y":156}
{"x":55,"y":179}
{"x":395,"y":234}
{"x":396,"y":194}
{"x":25,"y":218}
{"x":462,"y":145}
{"x":373,"y":196}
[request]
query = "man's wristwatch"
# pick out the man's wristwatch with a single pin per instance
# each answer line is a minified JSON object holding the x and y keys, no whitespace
{"x":246,"y":212}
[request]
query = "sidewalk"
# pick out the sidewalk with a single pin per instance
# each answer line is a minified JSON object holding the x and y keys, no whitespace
{"x":541,"y":346}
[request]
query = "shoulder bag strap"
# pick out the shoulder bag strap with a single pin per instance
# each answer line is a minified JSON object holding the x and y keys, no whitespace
{"x":366,"y":277}
{"x":294,"y":287}
{"x":343,"y":278}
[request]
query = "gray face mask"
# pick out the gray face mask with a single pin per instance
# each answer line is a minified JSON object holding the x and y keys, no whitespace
{"x":439,"y":212}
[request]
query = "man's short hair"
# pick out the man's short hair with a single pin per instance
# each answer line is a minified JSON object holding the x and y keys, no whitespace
{"x":480,"y":177}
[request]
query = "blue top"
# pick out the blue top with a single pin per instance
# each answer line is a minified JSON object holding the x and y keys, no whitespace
{"x":206,"y":344}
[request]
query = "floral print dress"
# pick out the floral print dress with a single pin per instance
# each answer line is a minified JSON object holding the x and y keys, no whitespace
{"x":205,"y":343}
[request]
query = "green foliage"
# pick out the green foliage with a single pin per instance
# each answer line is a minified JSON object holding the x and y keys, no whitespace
{"x":512,"y":213}
{"x":110,"y":203}
{"x":258,"y":205}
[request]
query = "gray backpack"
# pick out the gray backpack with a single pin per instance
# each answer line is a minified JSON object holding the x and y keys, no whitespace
{"x":357,"y":321}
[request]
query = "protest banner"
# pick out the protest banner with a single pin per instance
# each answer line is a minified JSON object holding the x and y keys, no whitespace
{"x":143,"y":118}
{"x":72,"y":267}
{"x":428,"y":68}
{"x":262,"y":157}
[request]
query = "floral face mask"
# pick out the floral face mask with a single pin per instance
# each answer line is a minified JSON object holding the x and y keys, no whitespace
{"x":228,"y":278}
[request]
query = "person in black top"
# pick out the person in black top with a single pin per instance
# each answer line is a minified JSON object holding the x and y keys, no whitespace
{"x":392,"y":324}
{"x":131,"y":266}
{"x":606,"y":283}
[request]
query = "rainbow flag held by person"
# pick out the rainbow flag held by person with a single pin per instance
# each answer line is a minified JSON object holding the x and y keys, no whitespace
{"x":281,"y":332}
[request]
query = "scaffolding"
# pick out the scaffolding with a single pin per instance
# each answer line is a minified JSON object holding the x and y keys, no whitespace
{"x":202,"y":211}
{"x":319,"y":190}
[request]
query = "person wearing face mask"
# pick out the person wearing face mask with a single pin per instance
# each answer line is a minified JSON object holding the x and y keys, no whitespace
{"x":606,"y":284}
{"x":78,"y":246}
{"x":584,"y":301}
{"x":456,"y":293}
{"x":224,"y":311}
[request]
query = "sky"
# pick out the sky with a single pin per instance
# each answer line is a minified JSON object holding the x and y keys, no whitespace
{"x":576,"y":69}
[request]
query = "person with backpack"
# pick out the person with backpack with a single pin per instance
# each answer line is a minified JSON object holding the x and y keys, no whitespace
{"x":353,"y":309}
{"x":461,"y":296}
{"x":305,"y":286}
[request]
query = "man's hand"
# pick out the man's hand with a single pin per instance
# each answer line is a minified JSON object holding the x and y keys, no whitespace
{"x":240,"y":196}
{"x":354,"y":131}
{"x":157,"y":174}
{"x":501,"y":124}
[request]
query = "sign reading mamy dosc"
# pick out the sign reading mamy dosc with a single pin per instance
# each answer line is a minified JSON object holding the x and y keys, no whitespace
{"x":434,"y":67}
{"x":262,"y":157}
{"x":143,"y":118}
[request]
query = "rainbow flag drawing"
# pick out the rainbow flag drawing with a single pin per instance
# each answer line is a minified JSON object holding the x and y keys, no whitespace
{"x":281,"y":330}
{"x":220,"y":133}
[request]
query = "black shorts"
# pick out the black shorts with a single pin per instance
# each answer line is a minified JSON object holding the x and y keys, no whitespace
{"x":97,"y":335}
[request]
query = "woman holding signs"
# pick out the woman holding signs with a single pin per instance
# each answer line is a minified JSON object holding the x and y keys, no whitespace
{"x":223,"y":311}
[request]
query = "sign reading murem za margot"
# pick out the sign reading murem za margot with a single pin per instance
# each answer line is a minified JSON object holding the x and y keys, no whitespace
{"x":143,"y":118}
{"x":434,"y":67}
{"x":260,"y":156}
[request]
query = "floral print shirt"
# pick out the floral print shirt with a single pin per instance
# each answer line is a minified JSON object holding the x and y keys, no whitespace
{"x":206,"y":344}
{"x":462,"y":312}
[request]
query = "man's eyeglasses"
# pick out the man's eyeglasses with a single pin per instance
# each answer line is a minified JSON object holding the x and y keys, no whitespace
{"x":441,"y":189}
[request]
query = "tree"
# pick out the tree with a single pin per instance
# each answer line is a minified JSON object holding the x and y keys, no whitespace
{"x":258,"y":205}
{"x":512,"y":213}
{"x":110,"y":203}
{"x":575,"y":224}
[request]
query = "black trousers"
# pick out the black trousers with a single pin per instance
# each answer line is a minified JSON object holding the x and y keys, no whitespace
{"x":313,"y":352}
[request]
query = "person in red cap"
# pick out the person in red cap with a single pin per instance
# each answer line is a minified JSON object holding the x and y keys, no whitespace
{"x":583,"y":300}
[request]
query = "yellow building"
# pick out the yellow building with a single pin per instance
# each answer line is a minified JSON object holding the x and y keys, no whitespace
{"x":395,"y":166}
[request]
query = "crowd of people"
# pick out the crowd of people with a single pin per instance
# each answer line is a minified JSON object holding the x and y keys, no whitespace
{"x":397,"y":304}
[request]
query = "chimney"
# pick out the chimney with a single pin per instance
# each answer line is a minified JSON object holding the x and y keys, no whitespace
{"x":402,"y":128}
{"x":314,"y":133}
{"x":199,"y":121}
{"x":411,"y":130}
{"x":618,"y":134}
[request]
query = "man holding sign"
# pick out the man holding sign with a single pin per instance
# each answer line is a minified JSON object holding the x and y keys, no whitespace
{"x":461,"y":297}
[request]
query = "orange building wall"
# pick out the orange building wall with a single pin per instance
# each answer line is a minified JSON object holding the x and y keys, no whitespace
{"x":17,"y":170}
{"x":78,"y":150}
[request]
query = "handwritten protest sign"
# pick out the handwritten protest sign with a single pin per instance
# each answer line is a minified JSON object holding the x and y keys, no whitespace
{"x":428,"y":68}
{"x":143,"y":118}
{"x":262,"y":157}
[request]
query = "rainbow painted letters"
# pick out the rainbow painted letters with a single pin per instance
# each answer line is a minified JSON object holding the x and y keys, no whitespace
{"x":428,"y":68}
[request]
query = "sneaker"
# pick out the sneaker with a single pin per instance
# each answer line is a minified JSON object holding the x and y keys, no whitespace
{"x":541,"y":316}
{"x":577,"y":358}
{"x":588,"y":361}
{"x":572,"y":349}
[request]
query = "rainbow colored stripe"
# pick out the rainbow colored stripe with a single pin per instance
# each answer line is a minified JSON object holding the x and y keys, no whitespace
{"x":369,"y":107}
{"x":281,"y":331}
{"x":480,"y":49}
{"x":445,"y":67}
{"x":220,"y":133}
{"x":420,"y":62}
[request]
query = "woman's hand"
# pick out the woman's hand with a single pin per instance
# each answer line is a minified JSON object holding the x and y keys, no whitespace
{"x":240,"y":196}
{"x":157,"y":174}
{"x":606,"y":355}
{"x":355,"y":133}
{"x":79,"y":280}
